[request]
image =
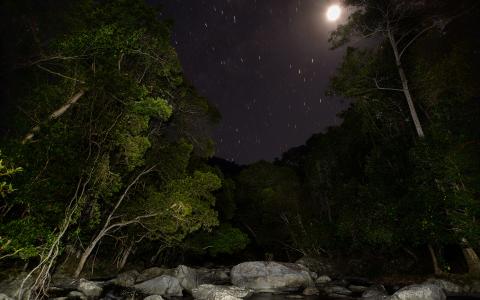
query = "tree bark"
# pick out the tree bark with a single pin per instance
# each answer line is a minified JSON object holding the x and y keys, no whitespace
{"x":86,"y":254}
{"x":436,"y":268}
{"x":405,"y":87}
{"x":108,"y":226}
{"x":471,"y":257}
{"x":55,"y":115}
{"x":126,"y":254}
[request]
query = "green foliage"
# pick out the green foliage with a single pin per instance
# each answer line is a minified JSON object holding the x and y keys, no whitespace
{"x":5,"y":172}
{"x":224,"y":239}
{"x":182,"y":207}
{"x":135,"y":111}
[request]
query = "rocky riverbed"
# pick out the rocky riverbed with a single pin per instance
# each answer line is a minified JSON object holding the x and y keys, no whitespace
{"x":258,"y":280}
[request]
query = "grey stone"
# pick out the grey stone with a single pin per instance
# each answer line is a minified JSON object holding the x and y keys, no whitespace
{"x":76,"y":295}
{"x":219,"y":292}
{"x":377,"y":290}
{"x":318,"y":265}
{"x":153,"y":297}
{"x":271,"y":276}
{"x":447,"y":286}
{"x":191,"y":278}
{"x":419,"y":292}
{"x":334,"y":290}
{"x":5,"y":297}
{"x":473,"y":288}
{"x":164,"y":285}
{"x":323,"y":279}
{"x":11,"y":286}
{"x":126,"y":279}
{"x":153,"y":272}
{"x":89,"y":288}
{"x":311,"y":291}
{"x":357,"y":288}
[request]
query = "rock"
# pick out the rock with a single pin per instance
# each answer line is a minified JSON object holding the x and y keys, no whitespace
{"x":126,"y":279}
{"x":5,"y":297}
{"x":311,"y":291}
{"x":447,"y":286}
{"x":473,"y":288}
{"x":214,"y":276}
{"x":219,"y":292}
{"x":153,"y":297}
{"x":89,"y":288}
{"x":76,"y":295}
{"x":419,"y":292}
{"x":164,"y":285}
{"x":11,"y":286}
{"x":318,"y":265}
{"x":340,"y":282}
{"x":271,"y":276}
{"x":323,"y":279}
{"x":153,"y":272}
{"x":64,"y":281}
{"x":335,"y":290}
{"x":357,"y":288}
{"x":191,"y":278}
{"x":377,"y":290}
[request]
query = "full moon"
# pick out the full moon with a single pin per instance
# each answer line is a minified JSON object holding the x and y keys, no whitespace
{"x":334,"y":12}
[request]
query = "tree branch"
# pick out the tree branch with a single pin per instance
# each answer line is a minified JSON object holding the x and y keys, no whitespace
{"x":384,"y":88}
{"x":56,"y":114}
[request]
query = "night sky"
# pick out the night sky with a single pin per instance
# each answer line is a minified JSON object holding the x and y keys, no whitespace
{"x":265,"y":64}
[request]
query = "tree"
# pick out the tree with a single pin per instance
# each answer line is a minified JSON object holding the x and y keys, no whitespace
{"x":401,"y":24}
{"x":103,"y":99}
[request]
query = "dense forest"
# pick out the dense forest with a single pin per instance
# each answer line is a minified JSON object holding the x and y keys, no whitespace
{"x":107,"y":158}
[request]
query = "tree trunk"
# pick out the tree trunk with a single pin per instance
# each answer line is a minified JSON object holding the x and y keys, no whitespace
{"x":86,"y":254}
{"x":436,"y":268}
{"x":405,"y":87}
{"x":126,"y":254}
{"x":471,"y":257}
{"x":107,"y":227}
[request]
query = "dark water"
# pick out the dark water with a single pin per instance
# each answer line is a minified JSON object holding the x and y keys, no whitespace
{"x":294,"y":297}
{"x":116,"y":293}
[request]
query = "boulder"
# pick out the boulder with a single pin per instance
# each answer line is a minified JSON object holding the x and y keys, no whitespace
{"x":164,"y":285}
{"x":357,"y":288}
{"x":191,"y":278}
{"x":5,"y":297}
{"x":473,"y":287}
{"x":323,"y":279}
{"x":311,"y":291}
{"x":336,"y":290}
{"x":271,"y":276}
{"x":153,"y":272}
{"x":11,"y":286}
{"x":419,"y":292}
{"x":153,"y":297}
{"x":219,"y":292}
{"x":318,"y":265}
{"x":448,"y":287}
{"x":126,"y":279}
{"x":89,"y":288}
{"x":377,"y":290}
{"x":76,"y":295}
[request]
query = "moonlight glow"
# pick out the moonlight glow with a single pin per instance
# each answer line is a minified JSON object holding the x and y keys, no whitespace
{"x":334,"y":12}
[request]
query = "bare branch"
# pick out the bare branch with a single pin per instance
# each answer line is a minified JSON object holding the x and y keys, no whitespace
{"x":386,"y":89}
{"x":56,"y":114}
{"x":59,"y":74}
